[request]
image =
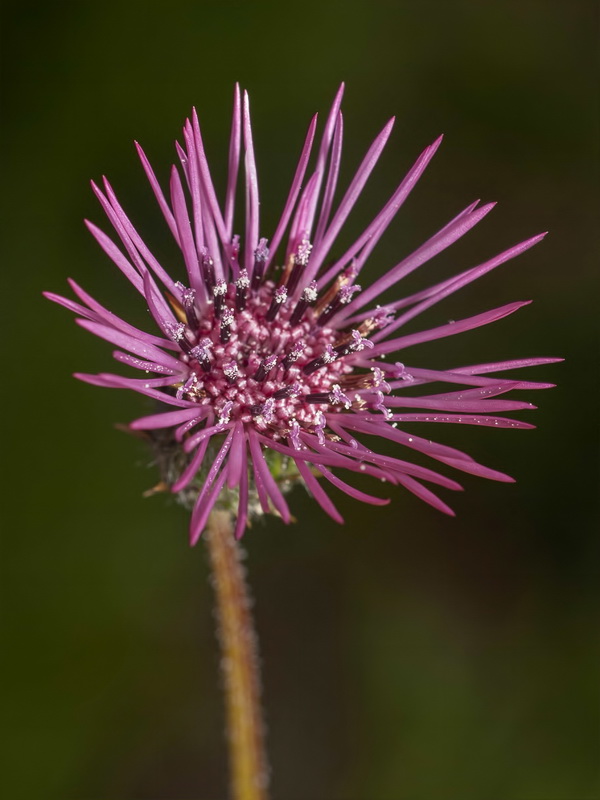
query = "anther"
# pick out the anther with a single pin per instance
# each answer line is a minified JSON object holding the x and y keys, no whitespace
{"x":201,"y":353}
{"x":231,"y":371}
{"x":227,"y":317}
{"x":225,"y":413}
{"x":184,"y":389}
{"x":345,"y":278}
{"x":279,"y":298}
{"x":295,"y":435}
{"x":300,"y":261}
{"x":320,"y":423}
{"x":208,"y":269}
{"x":401,"y":372}
{"x":293,"y":390}
{"x":265,"y":410}
{"x":317,"y":397}
{"x":308,"y":296}
{"x":379,"y":380}
{"x":265,"y":366}
{"x":327,"y":357}
{"x":336,"y":396}
{"x":358,"y":343}
{"x":342,"y":298}
{"x":219,"y":292}
{"x":241,"y":290}
{"x":380,"y":406}
{"x":297,"y":349}
{"x":176,"y":332}
{"x":261,"y":254}
{"x":188,"y":297}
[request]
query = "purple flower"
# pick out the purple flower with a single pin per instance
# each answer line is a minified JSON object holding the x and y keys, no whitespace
{"x":273,"y":362}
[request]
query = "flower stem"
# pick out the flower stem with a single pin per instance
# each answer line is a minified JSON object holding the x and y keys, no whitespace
{"x":239,"y":662}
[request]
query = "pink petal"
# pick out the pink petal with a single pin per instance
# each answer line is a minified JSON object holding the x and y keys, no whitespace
{"x":318,"y":493}
{"x":234,"y":162}
{"x":467,"y":324}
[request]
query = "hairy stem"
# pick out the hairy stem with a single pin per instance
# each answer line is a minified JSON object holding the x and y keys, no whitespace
{"x":239,"y":662}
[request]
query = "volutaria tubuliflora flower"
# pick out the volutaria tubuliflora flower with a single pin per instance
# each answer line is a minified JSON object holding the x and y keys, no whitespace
{"x":273,"y":361}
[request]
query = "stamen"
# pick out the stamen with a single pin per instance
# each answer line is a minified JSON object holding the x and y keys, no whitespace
{"x":231,"y":371}
{"x":261,"y":254}
{"x":295,"y":435}
{"x":342,"y":280}
{"x":186,"y":386}
{"x":336,"y":396}
{"x":268,"y":411}
{"x":380,"y":406}
{"x":342,"y":298}
{"x":293,"y":390}
{"x":279,"y":298}
{"x":379,"y":380}
{"x":219,"y":292}
{"x":265,"y":366}
{"x":318,"y":397}
{"x":308,"y":296}
{"x":319,"y":424}
{"x":208,"y":269}
{"x":297,"y":349}
{"x":265,"y":410}
{"x":227,"y":317}
{"x":401,"y":372}
{"x":358,"y":343}
{"x":201,"y":353}
{"x":176,"y":332}
{"x":225,"y":413}
{"x":300,"y":261}
{"x":188,"y":298}
{"x":383,"y":318}
{"x":328,"y":357}
{"x":241,"y":290}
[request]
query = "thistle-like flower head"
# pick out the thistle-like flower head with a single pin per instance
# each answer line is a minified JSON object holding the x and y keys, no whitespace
{"x":271,"y":362}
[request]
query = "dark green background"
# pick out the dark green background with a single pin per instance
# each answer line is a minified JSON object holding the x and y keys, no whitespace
{"x":406,"y":655}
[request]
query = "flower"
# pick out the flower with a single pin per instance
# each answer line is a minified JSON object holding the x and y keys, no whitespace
{"x":272,"y":373}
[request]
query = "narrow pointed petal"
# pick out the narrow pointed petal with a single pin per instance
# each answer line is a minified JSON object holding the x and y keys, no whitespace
{"x":140,"y":348}
{"x":464,"y":419}
{"x":450,"y":329}
{"x":373,"y":233}
{"x":268,"y":480}
{"x":317,"y":491}
{"x":425,"y":494}
{"x":167,"y":419}
{"x":188,"y":246}
{"x":436,"y":244}
{"x":207,"y":184}
{"x":252,"y":202}
{"x":116,"y":322}
{"x":351,"y":491}
{"x":190,"y":472}
{"x":332,"y":178}
{"x":348,"y":201}
{"x":294,"y":190}
{"x":204,"y":507}
{"x":137,"y":241}
{"x":242,"y":514}
{"x":462,"y":281}
{"x":234,"y":162}
{"x":158,"y":193}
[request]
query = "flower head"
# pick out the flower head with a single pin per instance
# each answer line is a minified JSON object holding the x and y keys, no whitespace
{"x":269,"y":362}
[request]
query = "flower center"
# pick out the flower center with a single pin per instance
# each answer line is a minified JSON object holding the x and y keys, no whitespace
{"x":254,"y":357}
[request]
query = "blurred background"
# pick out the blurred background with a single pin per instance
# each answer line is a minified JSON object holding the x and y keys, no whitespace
{"x":406,"y":654}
